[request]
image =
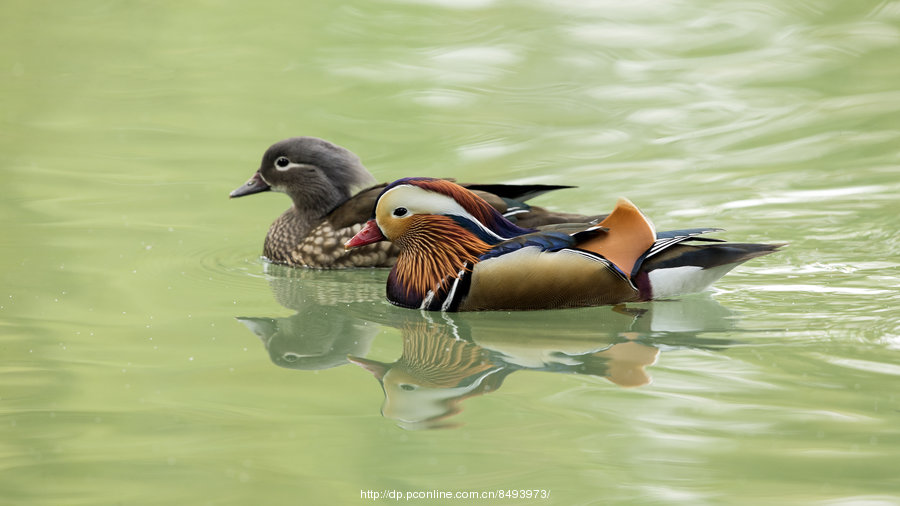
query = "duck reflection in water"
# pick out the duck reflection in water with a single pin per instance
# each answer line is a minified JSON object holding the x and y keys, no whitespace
{"x":325,"y":328}
{"x":438,"y":369}
{"x":447,"y":359}
{"x":434,"y":374}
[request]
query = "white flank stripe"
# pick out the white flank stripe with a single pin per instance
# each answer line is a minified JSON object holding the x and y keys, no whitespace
{"x":449,"y":299}
{"x":587,"y":254}
{"x":427,"y":300}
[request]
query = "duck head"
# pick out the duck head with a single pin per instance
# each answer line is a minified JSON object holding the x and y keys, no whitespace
{"x":315,"y":173}
{"x":407,"y":206}
{"x":440,"y":228}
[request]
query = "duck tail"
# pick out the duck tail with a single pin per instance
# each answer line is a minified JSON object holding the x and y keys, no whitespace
{"x":689,"y":268}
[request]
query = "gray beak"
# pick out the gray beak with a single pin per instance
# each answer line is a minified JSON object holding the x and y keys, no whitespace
{"x":254,"y":185}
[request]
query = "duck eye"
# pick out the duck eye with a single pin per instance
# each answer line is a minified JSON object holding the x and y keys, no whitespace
{"x":282,"y":161}
{"x":400,"y":211}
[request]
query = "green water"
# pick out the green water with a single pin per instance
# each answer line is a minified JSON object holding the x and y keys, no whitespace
{"x":150,"y":357}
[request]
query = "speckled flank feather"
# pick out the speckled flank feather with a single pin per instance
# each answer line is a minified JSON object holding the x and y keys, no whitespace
{"x":323,"y":249}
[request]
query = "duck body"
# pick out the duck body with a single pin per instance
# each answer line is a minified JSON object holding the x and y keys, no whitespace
{"x":333,"y":195}
{"x":458,"y":254}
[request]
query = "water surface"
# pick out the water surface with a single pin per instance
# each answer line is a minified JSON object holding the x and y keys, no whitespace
{"x":150,"y":356}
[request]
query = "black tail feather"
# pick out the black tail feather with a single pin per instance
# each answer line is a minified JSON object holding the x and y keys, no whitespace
{"x":519,"y":192}
{"x":708,"y":255}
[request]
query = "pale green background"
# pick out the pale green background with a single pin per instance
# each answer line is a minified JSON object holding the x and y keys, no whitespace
{"x":125,"y":378}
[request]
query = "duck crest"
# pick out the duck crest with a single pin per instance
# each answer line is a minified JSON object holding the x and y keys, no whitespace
{"x":435,"y":250}
{"x":472,"y":203}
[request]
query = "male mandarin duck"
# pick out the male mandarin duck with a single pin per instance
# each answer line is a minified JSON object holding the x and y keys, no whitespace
{"x":457,"y":253}
{"x":333,"y":195}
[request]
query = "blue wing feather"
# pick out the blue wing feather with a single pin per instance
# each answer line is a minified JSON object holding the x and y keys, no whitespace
{"x":546,"y":241}
{"x":687,"y":232}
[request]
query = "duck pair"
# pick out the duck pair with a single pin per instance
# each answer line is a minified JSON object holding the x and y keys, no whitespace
{"x":333,"y":195}
{"x":476,"y":247}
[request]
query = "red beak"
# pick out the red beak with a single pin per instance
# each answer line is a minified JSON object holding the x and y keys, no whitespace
{"x":369,"y":234}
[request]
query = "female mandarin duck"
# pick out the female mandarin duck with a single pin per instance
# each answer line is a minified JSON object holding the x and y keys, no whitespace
{"x":333,"y":196}
{"x":459,"y":254}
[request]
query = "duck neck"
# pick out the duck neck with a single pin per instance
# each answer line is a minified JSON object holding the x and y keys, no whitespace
{"x":432,"y":256}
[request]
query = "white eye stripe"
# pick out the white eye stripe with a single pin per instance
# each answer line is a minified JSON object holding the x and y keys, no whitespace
{"x":290,"y":166}
{"x":419,"y":201}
